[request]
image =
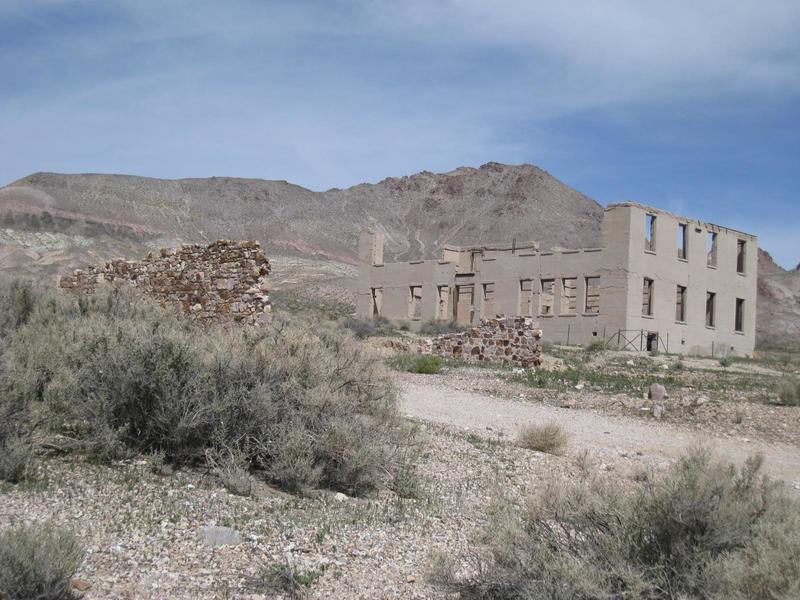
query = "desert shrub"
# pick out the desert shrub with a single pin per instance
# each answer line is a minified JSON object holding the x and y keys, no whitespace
{"x":548,"y":437}
{"x":416,"y":363}
{"x":789,"y":391}
{"x":362,"y":328}
{"x":428,"y":364}
{"x":16,"y":448}
{"x":725,"y":361}
{"x":703,"y":529}
{"x":121,"y":376}
{"x":436,"y":327}
{"x":37,"y":561}
{"x":596,"y":346}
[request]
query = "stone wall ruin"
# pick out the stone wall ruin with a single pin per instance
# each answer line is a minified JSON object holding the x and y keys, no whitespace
{"x":223,"y":282}
{"x":503,"y":340}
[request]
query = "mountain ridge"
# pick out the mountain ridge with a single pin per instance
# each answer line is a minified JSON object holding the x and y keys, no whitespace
{"x":53,"y":222}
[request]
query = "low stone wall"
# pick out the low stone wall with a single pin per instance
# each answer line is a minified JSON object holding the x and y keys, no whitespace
{"x":504,"y":340}
{"x":223,"y":282}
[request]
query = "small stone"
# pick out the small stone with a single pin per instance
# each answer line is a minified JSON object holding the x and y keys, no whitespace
{"x":579,"y":386}
{"x":213,"y":535}
{"x":657,"y":392}
{"x":340,"y":497}
{"x":701,"y":400}
{"x":658,"y":410}
{"x":410,"y":579}
{"x":630,"y":363}
{"x":79,"y":585}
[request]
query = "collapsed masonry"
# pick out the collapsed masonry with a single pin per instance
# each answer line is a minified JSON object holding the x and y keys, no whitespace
{"x":504,"y":340}
{"x":223,"y":282}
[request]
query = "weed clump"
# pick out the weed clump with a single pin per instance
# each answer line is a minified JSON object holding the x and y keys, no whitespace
{"x":416,"y":363}
{"x":703,"y":529}
{"x":548,"y":437}
{"x":114,"y":372}
{"x":725,"y":362}
{"x":436,"y":327}
{"x":37,"y":561}
{"x":362,"y":328}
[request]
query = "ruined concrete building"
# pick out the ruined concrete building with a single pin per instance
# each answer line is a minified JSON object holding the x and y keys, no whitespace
{"x":223,"y":282}
{"x":659,"y":282}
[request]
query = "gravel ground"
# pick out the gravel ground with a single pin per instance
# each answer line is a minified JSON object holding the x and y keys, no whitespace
{"x":143,"y":530}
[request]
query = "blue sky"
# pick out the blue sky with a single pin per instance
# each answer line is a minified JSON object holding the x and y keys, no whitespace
{"x":691,"y":106}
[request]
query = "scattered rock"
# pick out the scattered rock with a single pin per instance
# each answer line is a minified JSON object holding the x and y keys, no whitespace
{"x":701,"y":400}
{"x":213,"y":535}
{"x":79,"y":585}
{"x":657,"y":392}
{"x":579,"y":386}
{"x":658,"y":410}
{"x":410,"y":579}
{"x":630,"y":363}
{"x":340,"y":497}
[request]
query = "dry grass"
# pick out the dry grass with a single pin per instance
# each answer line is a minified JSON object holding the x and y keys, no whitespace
{"x":549,"y":438}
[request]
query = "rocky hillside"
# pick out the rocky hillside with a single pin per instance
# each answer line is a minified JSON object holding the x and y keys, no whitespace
{"x":778,"y":319}
{"x":52,"y":223}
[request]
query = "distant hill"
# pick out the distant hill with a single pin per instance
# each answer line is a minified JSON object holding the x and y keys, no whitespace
{"x":53,"y":223}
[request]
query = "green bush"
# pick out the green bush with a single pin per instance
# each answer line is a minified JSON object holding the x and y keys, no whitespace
{"x":789,"y":391}
{"x":725,"y":361}
{"x":596,"y":346}
{"x":307,"y":407}
{"x":549,"y":437}
{"x":428,"y":365}
{"x":416,"y":363}
{"x":703,"y":529}
{"x":436,"y":327}
{"x":37,"y":561}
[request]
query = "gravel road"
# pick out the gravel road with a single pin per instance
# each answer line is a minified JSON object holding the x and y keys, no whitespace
{"x":612,"y":439}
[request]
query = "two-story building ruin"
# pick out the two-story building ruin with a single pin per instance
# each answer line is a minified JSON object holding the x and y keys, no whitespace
{"x":659,"y":281}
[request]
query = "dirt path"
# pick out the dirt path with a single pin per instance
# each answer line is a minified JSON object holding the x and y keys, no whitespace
{"x":618,"y":441}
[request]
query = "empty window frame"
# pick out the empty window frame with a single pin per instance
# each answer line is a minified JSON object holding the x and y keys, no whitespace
{"x":739,"y":320}
{"x":650,"y":232}
{"x":569,"y":295}
{"x":591,"y":297}
{"x":547,"y":297}
{"x":443,"y":307}
{"x":415,"y":302}
{"x":525,"y":302}
{"x":711,"y":301}
{"x":712,"y":248}
{"x":741,"y":255}
{"x":647,"y":297}
{"x":488,"y":300}
{"x":683,"y":241}
{"x":377,"y":302}
{"x":680,"y":304}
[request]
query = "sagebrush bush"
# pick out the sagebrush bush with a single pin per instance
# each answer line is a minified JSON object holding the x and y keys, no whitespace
{"x":703,"y":529}
{"x":121,"y":376}
{"x":725,"y":362}
{"x":362,"y":328}
{"x":37,"y":561}
{"x":548,"y":437}
{"x":789,"y":391}
{"x":436,"y":327}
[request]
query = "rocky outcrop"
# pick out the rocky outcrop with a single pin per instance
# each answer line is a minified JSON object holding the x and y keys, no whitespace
{"x":504,"y":340}
{"x":223,"y":282}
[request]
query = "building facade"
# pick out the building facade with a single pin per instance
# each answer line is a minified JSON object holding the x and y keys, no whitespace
{"x":659,"y":281}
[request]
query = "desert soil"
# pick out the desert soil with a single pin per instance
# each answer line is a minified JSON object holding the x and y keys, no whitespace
{"x":143,"y":529}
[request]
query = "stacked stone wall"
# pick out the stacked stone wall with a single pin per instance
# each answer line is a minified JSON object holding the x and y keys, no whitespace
{"x":223,"y":282}
{"x":504,"y":340}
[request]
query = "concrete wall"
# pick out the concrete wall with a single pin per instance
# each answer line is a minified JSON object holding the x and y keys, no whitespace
{"x":693,"y":272}
{"x":618,"y":269}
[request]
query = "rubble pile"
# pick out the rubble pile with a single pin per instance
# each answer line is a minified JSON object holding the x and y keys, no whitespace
{"x":224,"y":281}
{"x":503,"y":340}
